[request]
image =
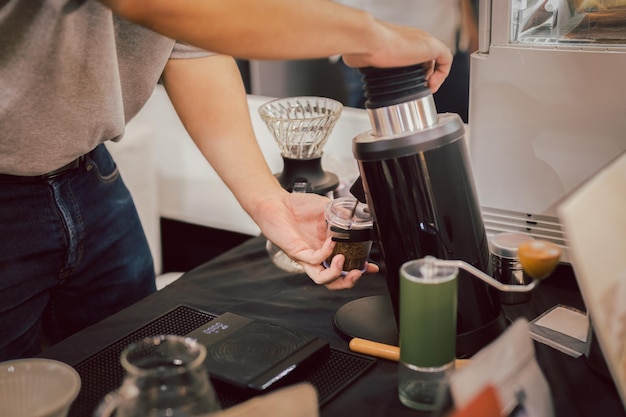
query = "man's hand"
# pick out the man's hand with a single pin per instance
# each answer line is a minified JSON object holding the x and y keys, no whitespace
{"x":403,"y":46}
{"x":297,"y":225}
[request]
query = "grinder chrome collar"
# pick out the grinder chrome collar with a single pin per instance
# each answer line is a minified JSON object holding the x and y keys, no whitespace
{"x":410,"y":116}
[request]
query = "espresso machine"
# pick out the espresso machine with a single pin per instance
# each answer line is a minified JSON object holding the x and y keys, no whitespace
{"x":546,"y":107}
{"x":418,"y":184}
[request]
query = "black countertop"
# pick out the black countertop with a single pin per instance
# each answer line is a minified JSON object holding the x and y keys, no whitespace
{"x":244,"y":281}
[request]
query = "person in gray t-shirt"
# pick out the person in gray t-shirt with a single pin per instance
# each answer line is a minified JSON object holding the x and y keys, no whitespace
{"x":74,"y":72}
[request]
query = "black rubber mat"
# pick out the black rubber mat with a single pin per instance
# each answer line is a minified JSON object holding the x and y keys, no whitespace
{"x":102,"y":372}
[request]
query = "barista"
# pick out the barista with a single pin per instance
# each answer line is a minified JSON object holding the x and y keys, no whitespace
{"x":72,"y":250}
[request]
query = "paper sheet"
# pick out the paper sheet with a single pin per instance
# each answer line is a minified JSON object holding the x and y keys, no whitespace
{"x":567,"y":321}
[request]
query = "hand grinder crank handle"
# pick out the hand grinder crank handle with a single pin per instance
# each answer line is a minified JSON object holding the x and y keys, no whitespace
{"x":539,"y":258}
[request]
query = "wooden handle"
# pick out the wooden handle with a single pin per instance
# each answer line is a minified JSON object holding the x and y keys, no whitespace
{"x":379,"y":350}
{"x":390,"y":352}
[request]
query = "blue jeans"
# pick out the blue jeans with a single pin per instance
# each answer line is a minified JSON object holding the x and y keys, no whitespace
{"x":72,"y":252}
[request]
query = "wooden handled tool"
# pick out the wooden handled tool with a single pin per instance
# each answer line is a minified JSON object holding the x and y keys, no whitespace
{"x":384,"y":351}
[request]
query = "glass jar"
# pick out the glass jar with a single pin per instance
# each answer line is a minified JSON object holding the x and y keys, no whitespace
{"x":350,"y":225}
{"x":506,"y":264}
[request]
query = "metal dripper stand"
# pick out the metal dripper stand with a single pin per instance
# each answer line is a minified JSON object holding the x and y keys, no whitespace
{"x":301,"y":127}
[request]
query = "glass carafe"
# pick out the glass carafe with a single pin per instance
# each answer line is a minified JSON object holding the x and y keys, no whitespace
{"x":165,"y":377}
{"x":280,"y":258}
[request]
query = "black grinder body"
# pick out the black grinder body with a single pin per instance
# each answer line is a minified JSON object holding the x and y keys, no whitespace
{"x":424,"y":203}
{"x":418,"y":184}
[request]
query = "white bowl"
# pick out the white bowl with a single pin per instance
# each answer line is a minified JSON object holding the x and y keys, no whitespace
{"x":37,"y":387}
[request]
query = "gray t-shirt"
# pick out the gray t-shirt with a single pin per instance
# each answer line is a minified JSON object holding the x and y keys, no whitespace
{"x":72,"y":75}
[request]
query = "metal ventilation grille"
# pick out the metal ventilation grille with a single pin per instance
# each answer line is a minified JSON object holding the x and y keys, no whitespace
{"x":102,"y":373}
{"x":538,"y":226}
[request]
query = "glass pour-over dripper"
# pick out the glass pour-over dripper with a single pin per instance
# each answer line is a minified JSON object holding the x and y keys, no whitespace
{"x":301,"y":126}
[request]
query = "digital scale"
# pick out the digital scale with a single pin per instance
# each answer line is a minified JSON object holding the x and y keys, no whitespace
{"x":256,"y":355}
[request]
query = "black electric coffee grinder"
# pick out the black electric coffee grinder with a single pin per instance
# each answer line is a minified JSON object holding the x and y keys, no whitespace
{"x":418,"y":184}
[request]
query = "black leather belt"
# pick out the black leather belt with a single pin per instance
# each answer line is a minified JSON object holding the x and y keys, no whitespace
{"x":6,"y":178}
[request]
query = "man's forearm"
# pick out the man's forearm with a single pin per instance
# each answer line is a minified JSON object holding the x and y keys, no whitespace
{"x":289,"y":29}
{"x":268,"y":29}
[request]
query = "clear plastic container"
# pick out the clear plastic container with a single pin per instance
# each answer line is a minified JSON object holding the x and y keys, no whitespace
{"x":350,"y":225}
